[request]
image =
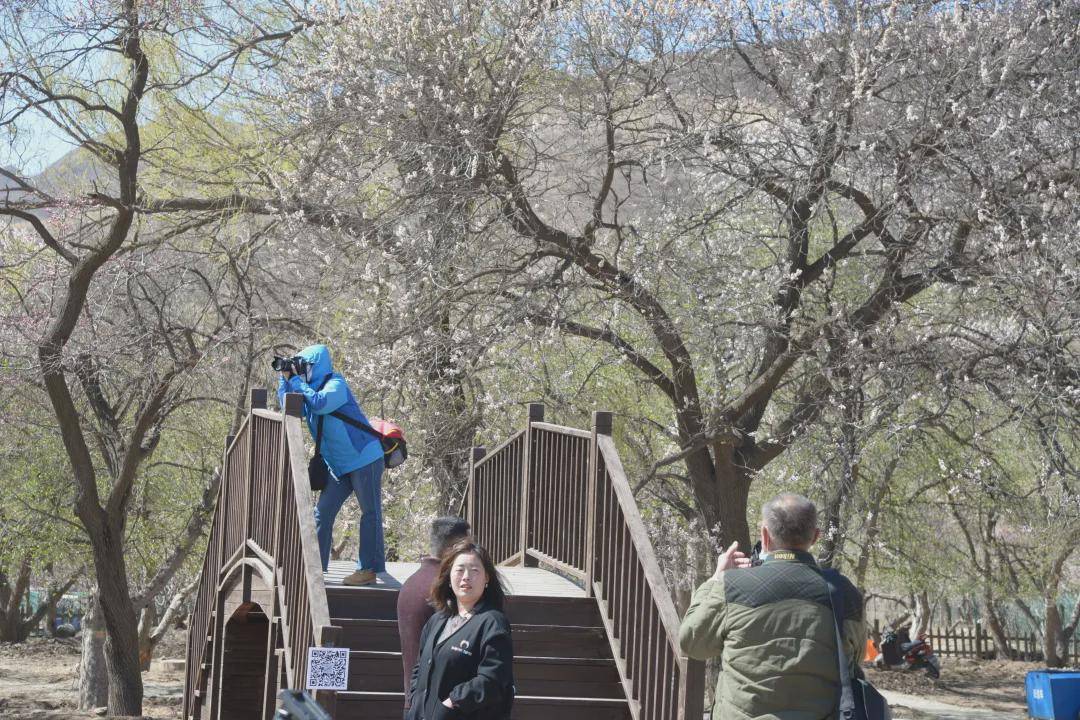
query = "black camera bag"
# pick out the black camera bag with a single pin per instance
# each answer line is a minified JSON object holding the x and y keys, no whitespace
{"x":317,"y":471}
{"x":859,"y":700}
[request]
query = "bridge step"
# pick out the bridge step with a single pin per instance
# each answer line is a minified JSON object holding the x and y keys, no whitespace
{"x":371,"y":671}
{"x":353,"y":705}
{"x":379,"y":604}
{"x":563,"y":665}
{"x":532,"y":640}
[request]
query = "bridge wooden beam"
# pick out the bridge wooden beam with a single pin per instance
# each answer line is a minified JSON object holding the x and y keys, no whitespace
{"x":602,"y":421}
{"x":477,"y":454}
{"x":294,"y":404}
{"x":536,"y":415}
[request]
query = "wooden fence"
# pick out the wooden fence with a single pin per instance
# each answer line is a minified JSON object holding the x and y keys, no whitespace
{"x":262,"y":524}
{"x":977,"y":643}
{"x":559,"y":496}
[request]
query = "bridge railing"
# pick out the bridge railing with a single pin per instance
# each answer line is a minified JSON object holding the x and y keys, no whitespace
{"x":263,"y":521}
{"x":577,"y":515}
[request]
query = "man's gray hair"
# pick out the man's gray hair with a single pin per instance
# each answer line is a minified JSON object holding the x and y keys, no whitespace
{"x":791,"y":520}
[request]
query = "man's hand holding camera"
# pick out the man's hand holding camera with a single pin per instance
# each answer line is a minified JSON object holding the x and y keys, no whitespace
{"x":732,"y":559}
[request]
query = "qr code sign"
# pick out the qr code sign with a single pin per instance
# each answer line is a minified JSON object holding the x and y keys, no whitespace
{"x":328,"y":668}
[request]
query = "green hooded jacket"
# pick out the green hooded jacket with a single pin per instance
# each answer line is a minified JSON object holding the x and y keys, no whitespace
{"x":772,"y":626}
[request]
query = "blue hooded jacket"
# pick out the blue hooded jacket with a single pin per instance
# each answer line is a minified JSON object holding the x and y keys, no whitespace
{"x":344,"y":447}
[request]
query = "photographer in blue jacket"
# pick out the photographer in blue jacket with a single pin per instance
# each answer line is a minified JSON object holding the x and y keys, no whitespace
{"x":355,"y":458}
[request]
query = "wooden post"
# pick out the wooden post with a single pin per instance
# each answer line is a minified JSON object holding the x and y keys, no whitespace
{"x":327,"y":636}
{"x":978,"y":640}
{"x":258,"y":402}
{"x":536,"y":414}
{"x":217,"y":658}
{"x":692,"y":690}
{"x":601,"y":425}
{"x":223,"y":504}
{"x":475,"y":456}
{"x":189,"y":684}
{"x":292,"y":407}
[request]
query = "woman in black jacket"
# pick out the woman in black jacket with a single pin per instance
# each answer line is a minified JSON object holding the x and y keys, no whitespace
{"x":466,"y":656}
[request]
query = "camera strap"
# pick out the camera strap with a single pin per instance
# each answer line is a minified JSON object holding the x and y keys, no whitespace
{"x":319,"y":422}
{"x":847,"y":695}
{"x":357,"y":424}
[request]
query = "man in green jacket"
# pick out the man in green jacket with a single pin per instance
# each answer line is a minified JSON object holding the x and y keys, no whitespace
{"x":772,"y":625}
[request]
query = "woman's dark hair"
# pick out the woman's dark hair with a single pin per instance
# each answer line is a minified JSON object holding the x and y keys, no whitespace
{"x":442,"y":595}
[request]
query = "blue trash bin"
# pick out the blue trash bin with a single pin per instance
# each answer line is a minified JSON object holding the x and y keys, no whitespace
{"x":1053,"y":694}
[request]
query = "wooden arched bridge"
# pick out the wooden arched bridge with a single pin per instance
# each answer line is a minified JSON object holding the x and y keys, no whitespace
{"x":594,"y":626}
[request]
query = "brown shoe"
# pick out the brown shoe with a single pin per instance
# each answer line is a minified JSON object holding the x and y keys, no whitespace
{"x":360,"y":577}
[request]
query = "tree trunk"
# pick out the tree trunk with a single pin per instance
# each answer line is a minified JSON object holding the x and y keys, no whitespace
{"x":722,"y":486}
{"x":10,"y":627}
{"x":872,"y":526}
{"x":117,"y":610}
{"x":1052,"y":635}
{"x":921,"y":615}
{"x":122,"y":627}
{"x":147,"y":620}
{"x":50,"y":620}
{"x":832,"y":546}
{"x":997,"y":628}
{"x":13,"y":625}
{"x":93,"y":679}
{"x":447,"y":371}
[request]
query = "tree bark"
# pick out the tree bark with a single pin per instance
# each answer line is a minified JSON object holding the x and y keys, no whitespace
{"x":121,"y":623}
{"x":152,"y":629}
{"x":921,"y":614}
{"x":1052,"y":634}
{"x":873,"y":522}
{"x":93,"y":678}
{"x":147,"y":619}
{"x":729,"y":496}
{"x":996,"y":627}
{"x":836,"y":508}
{"x":50,"y":620}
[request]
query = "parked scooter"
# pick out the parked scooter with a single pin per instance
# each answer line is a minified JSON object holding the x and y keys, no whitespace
{"x":898,"y":652}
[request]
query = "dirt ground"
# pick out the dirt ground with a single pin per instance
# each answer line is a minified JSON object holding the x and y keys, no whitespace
{"x":996,"y":685}
{"x":39,"y":681}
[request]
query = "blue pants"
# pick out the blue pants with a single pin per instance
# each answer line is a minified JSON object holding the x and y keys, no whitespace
{"x":366,"y":483}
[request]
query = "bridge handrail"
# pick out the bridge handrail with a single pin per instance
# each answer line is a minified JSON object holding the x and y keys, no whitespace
{"x":315,"y":623}
{"x":263,"y":516}
{"x":648,"y":633}
{"x":577,"y":515}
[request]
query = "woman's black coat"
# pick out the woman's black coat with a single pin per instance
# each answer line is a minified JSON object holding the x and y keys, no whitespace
{"x":473,"y":667}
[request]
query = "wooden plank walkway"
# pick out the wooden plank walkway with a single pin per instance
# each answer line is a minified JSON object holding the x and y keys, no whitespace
{"x":517,"y":580}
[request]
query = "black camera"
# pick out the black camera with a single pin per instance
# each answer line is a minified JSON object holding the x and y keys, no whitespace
{"x":755,"y":555}
{"x":295,"y":364}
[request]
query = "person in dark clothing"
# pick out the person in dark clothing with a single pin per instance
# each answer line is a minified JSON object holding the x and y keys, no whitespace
{"x":414,"y":601}
{"x":465,"y":671}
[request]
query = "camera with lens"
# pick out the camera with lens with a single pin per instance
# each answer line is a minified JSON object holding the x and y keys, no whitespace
{"x":295,"y":364}
{"x":755,"y":555}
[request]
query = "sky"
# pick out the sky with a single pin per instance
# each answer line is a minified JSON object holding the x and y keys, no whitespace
{"x":35,"y":147}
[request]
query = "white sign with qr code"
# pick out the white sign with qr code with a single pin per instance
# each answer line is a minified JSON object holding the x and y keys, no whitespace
{"x":328,"y":668}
